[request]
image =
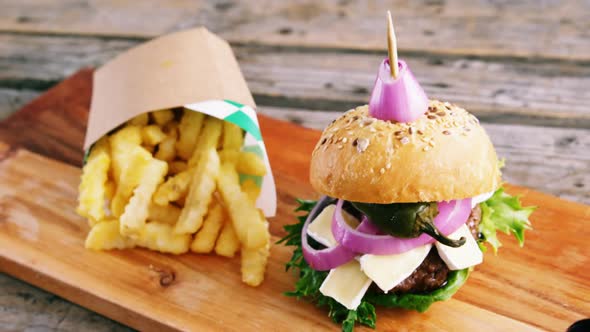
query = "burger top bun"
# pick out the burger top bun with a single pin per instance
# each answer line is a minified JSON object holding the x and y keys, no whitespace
{"x":443,"y":155}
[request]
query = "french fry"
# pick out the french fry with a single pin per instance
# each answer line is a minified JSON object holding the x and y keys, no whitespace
{"x":162,"y":117}
{"x":254,"y":264}
{"x":228,"y":243}
{"x":177,"y":166}
{"x":152,"y":135}
{"x":208,"y":139}
{"x":130,"y":178}
{"x":105,"y":236}
{"x":92,"y":189}
{"x":251,"y":189}
{"x":200,"y":193}
{"x":201,"y":207}
{"x":247,"y":222}
{"x":166,"y":149}
{"x":122,"y":142}
{"x":136,"y":212}
{"x":229,"y":156}
{"x":171,"y":129}
{"x":160,"y":237}
{"x":167,"y":214}
{"x":189,"y":129}
{"x":109,"y":190}
{"x":233,"y":136}
{"x":250,"y":163}
{"x":204,"y":240}
{"x":173,"y":189}
{"x":140,"y":120}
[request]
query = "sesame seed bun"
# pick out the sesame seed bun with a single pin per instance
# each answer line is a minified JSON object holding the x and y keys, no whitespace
{"x":443,"y":155}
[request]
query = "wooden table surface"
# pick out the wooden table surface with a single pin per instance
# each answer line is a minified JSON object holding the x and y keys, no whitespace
{"x":523,"y":68}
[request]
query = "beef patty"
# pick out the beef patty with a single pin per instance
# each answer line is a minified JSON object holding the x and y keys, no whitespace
{"x":433,"y":271}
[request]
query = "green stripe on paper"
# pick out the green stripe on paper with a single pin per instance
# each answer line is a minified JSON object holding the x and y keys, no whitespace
{"x":241,"y":119}
{"x":238,"y":105}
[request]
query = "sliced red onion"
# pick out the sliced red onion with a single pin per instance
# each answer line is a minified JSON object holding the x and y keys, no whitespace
{"x":329,"y":258}
{"x":451,"y":216}
{"x":324,"y":259}
{"x":401,"y":99}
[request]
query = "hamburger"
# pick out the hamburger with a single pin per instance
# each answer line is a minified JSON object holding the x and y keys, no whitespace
{"x":406,"y":212}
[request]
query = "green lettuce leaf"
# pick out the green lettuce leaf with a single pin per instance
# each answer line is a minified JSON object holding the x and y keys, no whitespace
{"x":308,"y":285}
{"x":504,"y":213}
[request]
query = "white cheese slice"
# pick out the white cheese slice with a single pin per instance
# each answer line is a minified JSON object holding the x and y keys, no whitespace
{"x":346,"y":284}
{"x":320,"y":229}
{"x":387,"y":271}
{"x":480,"y":198}
{"x":464,"y":256}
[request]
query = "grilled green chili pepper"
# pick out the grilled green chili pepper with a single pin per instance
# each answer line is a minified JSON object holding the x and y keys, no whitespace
{"x":406,"y":220}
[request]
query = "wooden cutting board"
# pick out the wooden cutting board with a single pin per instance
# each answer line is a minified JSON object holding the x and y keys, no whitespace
{"x":544,"y":286}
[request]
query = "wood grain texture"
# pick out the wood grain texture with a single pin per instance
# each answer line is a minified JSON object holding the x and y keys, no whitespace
{"x":528,"y":92}
{"x":12,"y":100}
{"x":542,"y":286}
{"x":26,"y":308}
{"x":486,"y":28}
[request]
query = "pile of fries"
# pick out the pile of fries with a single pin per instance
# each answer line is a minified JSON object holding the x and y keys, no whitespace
{"x":169,"y":181}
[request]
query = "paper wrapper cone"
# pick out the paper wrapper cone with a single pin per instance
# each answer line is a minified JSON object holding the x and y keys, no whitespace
{"x":194,"y":69}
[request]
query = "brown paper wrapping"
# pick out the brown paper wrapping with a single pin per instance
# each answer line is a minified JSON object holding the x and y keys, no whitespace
{"x":177,"y":69}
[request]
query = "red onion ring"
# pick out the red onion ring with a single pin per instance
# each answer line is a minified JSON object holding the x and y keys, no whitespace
{"x":451,"y":216}
{"x":329,"y":258}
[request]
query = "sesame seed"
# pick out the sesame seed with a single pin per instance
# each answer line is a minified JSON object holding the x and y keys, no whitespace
{"x":355,"y":142}
{"x":426,"y":148}
{"x":362,"y":144}
{"x":344,"y":140}
{"x":397,"y":133}
{"x":431,"y":117}
{"x":382,"y":171}
{"x":373,"y":130}
{"x":405,"y":140}
{"x":323,"y":141}
{"x":410,"y":130}
{"x":431,"y":143}
{"x":441,"y":113}
{"x":420,"y":132}
{"x":388,"y":166}
{"x":368,"y":121}
{"x":340,"y":146}
{"x":446,"y":132}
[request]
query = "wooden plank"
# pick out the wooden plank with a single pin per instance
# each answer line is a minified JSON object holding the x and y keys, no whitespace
{"x":26,"y":307}
{"x":542,"y":93}
{"x":207,"y":291}
{"x":546,"y":159}
{"x":485,"y":28}
{"x":12,"y":100}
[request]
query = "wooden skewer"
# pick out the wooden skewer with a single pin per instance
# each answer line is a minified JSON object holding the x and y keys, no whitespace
{"x":391,"y":47}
